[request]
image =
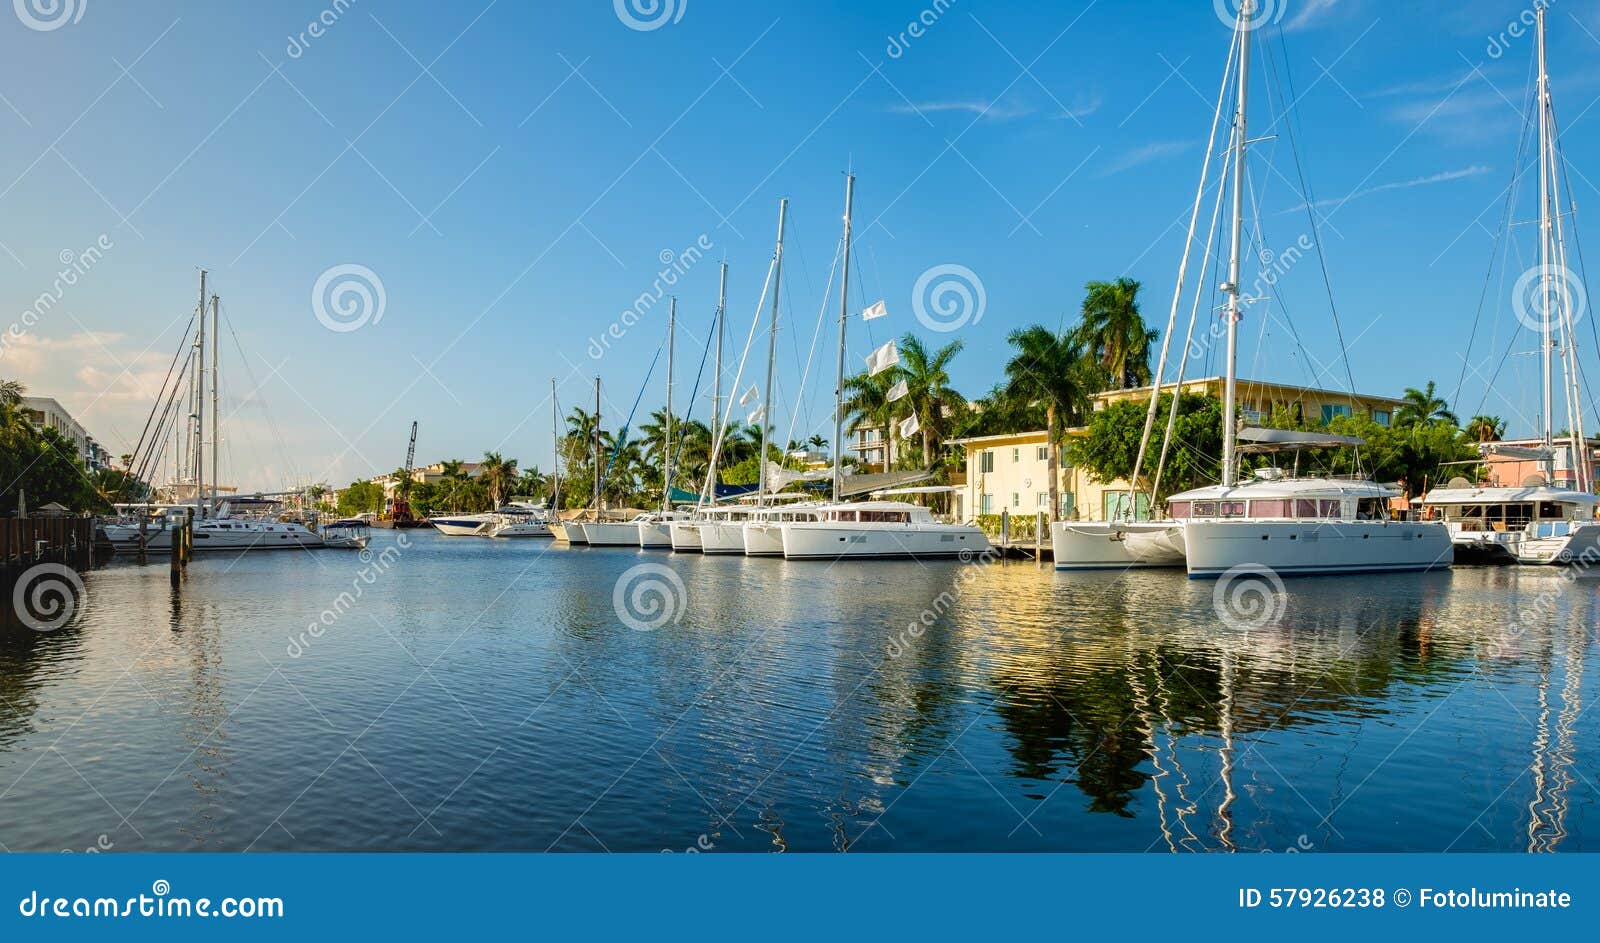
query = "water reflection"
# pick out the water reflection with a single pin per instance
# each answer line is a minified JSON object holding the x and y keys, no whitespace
{"x":892,"y":707}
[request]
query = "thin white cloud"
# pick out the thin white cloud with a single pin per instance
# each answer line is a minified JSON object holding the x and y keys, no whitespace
{"x":1083,"y":106}
{"x":989,"y":111}
{"x":1476,"y":170}
{"x":1310,"y":11}
{"x":1144,"y":154}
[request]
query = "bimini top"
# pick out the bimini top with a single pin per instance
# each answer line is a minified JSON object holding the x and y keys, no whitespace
{"x":1267,"y":487}
{"x":1520,"y":495}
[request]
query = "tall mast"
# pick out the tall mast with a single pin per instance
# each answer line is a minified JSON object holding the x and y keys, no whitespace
{"x":199,"y":456}
{"x":1545,"y":286}
{"x":216,"y":384}
{"x":555,"y":448}
{"x":844,"y":312}
{"x":597,"y":448}
{"x":1230,"y":433}
{"x":765,"y":410}
{"x":666,"y":429}
{"x":716,"y":384}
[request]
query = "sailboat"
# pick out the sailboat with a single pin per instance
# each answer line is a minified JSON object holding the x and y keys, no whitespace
{"x":655,"y":529}
{"x":576,"y":531}
{"x":685,"y":531}
{"x":151,"y":526}
{"x":1536,"y":522}
{"x":869,"y":529}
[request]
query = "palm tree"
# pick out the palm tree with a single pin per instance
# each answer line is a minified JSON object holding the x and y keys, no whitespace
{"x":817,"y":442}
{"x":498,"y":474}
{"x":866,"y":404}
{"x":12,"y":392}
{"x":1485,"y":429}
{"x":927,"y":380}
{"x":1423,"y":406}
{"x":1049,"y":368}
{"x":1114,"y":332}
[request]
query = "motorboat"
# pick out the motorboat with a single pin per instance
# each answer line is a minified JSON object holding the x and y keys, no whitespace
{"x":462,"y":525}
{"x":519,"y":519}
{"x":221,"y":532}
{"x":351,"y":533}
{"x":1534,"y":523}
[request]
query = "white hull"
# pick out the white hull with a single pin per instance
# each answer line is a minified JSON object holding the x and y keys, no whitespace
{"x":763,"y":539}
{"x":522,"y":529}
{"x":465,"y":526}
{"x":569,"y":531}
{"x":1291,"y":548}
{"x":1106,"y":545}
{"x":655,"y":534}
{"x":611,"y":534}
{"x":686,"y":537}
{"x":1579,"y":547}
{"x":219,"y":535}
{"x":722,"y":538}
{"x":833,"y":540}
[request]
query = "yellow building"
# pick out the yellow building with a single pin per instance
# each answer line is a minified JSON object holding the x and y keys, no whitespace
{"x":1011,"y":472}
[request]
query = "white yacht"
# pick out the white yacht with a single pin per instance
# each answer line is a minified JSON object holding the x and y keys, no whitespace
{"x":221,"y":532}
{"x":571,"y":532}
{"x":520,"y":519}
{"x":763,"y":529}
{"x":462,"y":525}
{"x":722,"y":528}
{"x":1116,"y":545}
{"x":351,"y":533}
{"x":1303,"y":526}
{"x":686,"y":533}
{"x":1534,"y":523}
{"x":613,"y":533}
{"x":656,"y":530}
{"x":878,"y":529}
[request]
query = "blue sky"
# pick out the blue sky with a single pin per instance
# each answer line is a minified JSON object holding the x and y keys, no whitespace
{"x":512,"y":173}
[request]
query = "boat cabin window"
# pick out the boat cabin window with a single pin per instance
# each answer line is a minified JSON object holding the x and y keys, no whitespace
{"x":1205,"y":509}
{"x":1231,"y":508}
{"x":1551,"y":511}
{"x":1178,"y":510}
{"x":886,"y":517}
{"x":847,"y":516}
{"x":1270,"y":508}
{"x":1371,"y":509}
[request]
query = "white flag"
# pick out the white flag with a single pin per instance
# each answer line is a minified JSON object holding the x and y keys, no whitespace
{"x":876,"y":310}
{"x":757,"y":416}
{"x":749,"y":396}
{"x":898,"y":391}
{"x":909,"y":426}
{"x":882,"y":359}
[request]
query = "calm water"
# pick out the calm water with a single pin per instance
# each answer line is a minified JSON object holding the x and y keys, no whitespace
{"x":485,"y":695}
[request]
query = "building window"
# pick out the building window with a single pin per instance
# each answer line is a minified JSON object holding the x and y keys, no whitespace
{"x":986,"y":504}
{"x":1067,"y":505}
{"x":1380,"y":416}
{"x":1043,"y":501}
{"x":1016,"y":456}
{"x":986,"y":460}
{"x":1044,"y":453}
{"x":1016,"y":499}
{"x":1332,"y":410}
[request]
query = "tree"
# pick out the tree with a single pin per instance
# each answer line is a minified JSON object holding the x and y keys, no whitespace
{"x":1423,"y":406}
{"x":928,"y":391}
{"x":12,"y":392}
{"x":1111,"y":447}
{"x":1114,"y":332}
{"x":1048,"y":368}
{"x":817,"y":442}
{"x":1485,"y":429}
{"x":498,"y":475}
{"x":360,"y":498}
{"x":866,"y":405}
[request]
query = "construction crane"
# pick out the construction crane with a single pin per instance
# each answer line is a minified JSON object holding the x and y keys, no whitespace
{"x":400,"y":508}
